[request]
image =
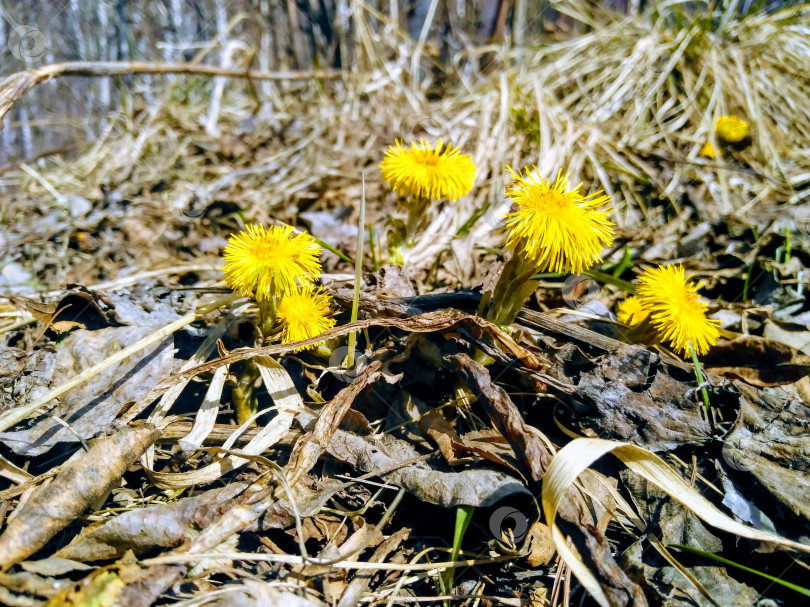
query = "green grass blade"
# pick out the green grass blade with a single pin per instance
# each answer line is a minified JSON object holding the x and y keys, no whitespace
{"x":720,"y":559}
{"x":463,"y":517}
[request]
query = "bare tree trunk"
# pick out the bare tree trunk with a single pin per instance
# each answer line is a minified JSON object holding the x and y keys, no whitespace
{"x":519,"y":25}
{"x":103,"y":52}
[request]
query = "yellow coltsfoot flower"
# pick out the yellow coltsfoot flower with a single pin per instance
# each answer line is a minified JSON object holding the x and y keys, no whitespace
{"x":631,"y":311}
{"x":267,"y":263}
{"x":422,"y":171}
{"x":557,"y":229}
{"x":676,"y":311}
{"x":731,"y":129}
{"x":303,"y":314}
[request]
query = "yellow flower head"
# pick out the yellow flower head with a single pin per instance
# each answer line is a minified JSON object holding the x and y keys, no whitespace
{"x":631,"y":311}
{"x":271,"y":262}
{"x":731,"y":129}
{"x":425,"y":172}
{"x":676,"y":312}
{"x":707,"y":150}
{"x":557,"y":229}
{"x":303,"y":314}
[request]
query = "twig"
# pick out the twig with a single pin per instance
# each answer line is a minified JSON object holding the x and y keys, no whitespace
{"x":16,"y":85}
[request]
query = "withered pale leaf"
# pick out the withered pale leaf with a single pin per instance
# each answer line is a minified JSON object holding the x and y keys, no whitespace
{"x":94,"y":404}
{"x":399,"y":463}
{"x":80,"y":483}
{"x":165,"y":525}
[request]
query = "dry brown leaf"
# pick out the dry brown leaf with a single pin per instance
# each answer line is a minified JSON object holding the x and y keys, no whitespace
{"x":541,"y":549}
{"x":456,"y":449}
{"x":310,"y":447}
{"x":771,"y":440}
{"x":504,"y":415}
{"x":164,"y":525}
{"x":630,"y":395}
{"x":759,"y":361}
{"x":80,"y":483}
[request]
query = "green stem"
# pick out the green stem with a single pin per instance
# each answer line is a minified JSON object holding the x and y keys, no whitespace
{"x":700,"y":379}
{"x":748,"y":280}
{"x":611,"y":280}
{"x":267,"y":316}
{"x":417,"y":212}
{"x":626,"y":262}
{"x":358,"y":275}
{"x":329,"y":247}
{"x":720,"y":559}
{"x":244,"y":401}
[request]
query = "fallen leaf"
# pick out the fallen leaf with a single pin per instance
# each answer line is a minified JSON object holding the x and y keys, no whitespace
{"x":459,"y":450}
{"x":95,"y":404}
{"x":401,"y":465}
{"x":541,"y":548}
{"x":771,"y":441}
{"x":80,"y":483}
{"x":164,"y":525}
{"x":759,"y":361}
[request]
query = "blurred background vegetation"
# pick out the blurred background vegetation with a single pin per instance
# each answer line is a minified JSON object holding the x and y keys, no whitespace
{"x":267,"y":35}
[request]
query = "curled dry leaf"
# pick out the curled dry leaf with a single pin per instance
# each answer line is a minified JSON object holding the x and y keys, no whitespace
{"x":310,"y":446}
{"x":165,"y":525}
{"x":504,"y":415}
{"x":458,"y":450}
{"x":430,"y":322}
{"x":80,"y":483}
{"x":403,"y":466}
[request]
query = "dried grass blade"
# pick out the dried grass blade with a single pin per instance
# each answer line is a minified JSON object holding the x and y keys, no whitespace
{"x":207,"y":415}
{"x":288,"y":403}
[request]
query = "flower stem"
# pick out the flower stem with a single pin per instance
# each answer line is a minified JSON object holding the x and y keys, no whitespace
{"x":267,"y":316}
{"x":700,"y":379}
{"x":358,"y":275}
